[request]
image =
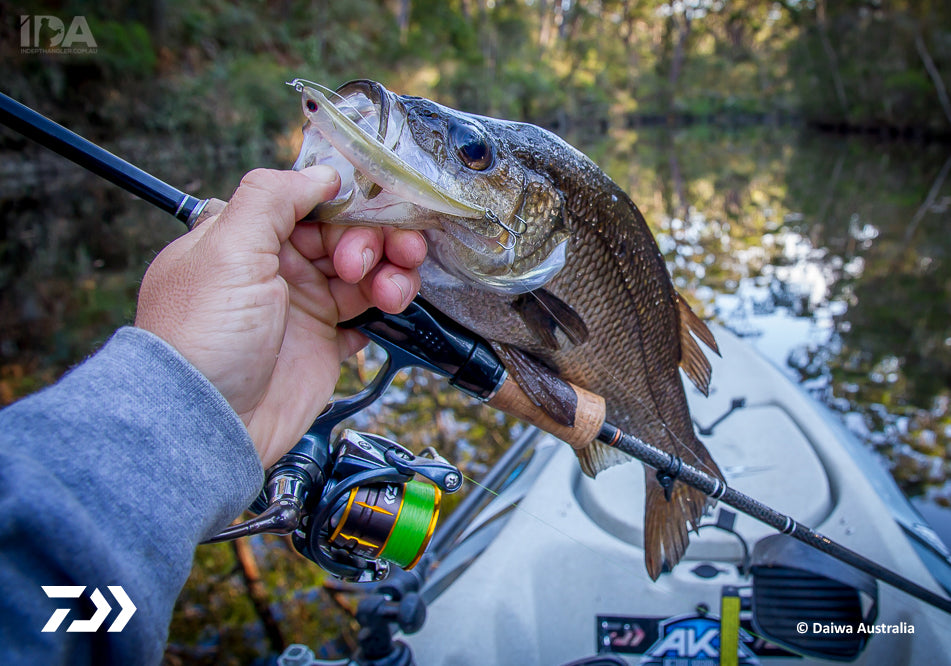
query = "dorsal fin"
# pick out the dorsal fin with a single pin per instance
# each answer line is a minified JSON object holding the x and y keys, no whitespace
{"x":692,"y":359}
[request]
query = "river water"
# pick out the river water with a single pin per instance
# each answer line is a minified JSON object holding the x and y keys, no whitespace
{"x":830,"y":254}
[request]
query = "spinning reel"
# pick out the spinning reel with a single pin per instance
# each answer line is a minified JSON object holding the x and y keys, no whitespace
{"x":354,"y":506}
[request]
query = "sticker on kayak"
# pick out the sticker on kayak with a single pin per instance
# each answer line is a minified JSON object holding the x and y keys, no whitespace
{"x":694,"y":640}
{"x":691,"y":640}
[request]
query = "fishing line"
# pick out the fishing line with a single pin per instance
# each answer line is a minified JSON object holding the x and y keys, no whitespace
{"x":683,"y":449}
{"x":517,"y":507}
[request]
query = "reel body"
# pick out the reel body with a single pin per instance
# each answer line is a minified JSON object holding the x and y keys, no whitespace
{"x":355,"y":507}
{"x":372,"y":511}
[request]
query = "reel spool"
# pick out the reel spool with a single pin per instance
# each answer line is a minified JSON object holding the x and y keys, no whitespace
{"x":392,"y":522}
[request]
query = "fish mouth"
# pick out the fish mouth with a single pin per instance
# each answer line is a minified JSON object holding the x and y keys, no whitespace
{"x":363,"y":134}
{"x":358,"y":134}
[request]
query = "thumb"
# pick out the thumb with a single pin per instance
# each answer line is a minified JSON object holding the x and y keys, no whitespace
{"x":271,"y":201}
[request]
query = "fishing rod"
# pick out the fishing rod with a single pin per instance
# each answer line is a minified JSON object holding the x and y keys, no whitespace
{"x":52,"y":135}
{"x":423,"y":337}
{"x":425,"y":331}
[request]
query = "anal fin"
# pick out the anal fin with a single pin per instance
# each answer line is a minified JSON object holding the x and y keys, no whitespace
{"x":597,"y":457}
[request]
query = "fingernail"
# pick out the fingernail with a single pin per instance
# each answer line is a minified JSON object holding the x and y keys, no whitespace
{"x":321,"y":173}
{"x":402,"y":283}
{"x":368,"y":257}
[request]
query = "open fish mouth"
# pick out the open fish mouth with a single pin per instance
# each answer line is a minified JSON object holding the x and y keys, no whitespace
{"x":386,"y":179}
{"x":357,"y":134}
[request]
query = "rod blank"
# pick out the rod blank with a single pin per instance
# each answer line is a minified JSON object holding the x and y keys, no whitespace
{"x":101,"y":162}
{"x":718,"y":490}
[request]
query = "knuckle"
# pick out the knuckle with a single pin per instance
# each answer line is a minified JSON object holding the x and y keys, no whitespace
{"x":258,"y":177}
{"x":259,"y":183}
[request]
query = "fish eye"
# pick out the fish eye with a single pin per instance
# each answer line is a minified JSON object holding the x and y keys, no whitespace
{"x":471,"y":146}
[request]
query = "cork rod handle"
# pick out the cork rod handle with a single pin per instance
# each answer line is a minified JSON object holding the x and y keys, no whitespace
{"x":589,"y":415}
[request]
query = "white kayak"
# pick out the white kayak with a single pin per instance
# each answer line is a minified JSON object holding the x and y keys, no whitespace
{"x":552,"y":571}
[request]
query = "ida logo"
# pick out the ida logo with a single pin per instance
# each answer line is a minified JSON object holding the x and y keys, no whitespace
{"x":693,"y":640}
{"x":49,"y":34}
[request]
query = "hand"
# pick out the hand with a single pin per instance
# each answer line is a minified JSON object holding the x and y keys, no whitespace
{"x":253,"y":301}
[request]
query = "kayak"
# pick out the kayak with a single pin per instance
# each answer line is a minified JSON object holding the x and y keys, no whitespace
{"x":551,"y":571}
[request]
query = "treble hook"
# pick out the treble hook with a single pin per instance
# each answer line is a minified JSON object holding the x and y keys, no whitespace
{"x":510,"y":235}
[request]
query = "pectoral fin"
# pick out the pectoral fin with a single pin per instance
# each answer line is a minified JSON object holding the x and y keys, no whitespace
{"x":692,"y":359}
{"x":544,"y":313}
{"x":541,"y":385}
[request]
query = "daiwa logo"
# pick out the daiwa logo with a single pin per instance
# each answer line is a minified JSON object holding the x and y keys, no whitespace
{"x":126,"y":608}
{"x":693,"y":641}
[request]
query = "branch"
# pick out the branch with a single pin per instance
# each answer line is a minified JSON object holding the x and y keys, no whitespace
{"x":929,"y":201}
{"x":934,"y":74}
{"x":830,"y":54}
{"x":257,"y":593}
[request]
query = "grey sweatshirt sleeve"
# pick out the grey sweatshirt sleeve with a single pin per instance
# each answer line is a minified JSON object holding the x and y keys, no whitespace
{"x":112,"y":477}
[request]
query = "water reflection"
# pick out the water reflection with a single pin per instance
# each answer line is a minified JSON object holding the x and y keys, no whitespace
{"x":840,"y":245}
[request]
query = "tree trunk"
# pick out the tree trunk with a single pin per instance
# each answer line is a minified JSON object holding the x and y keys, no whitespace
{"x":402,"y":19}
{"x":833,"y":60}
{"x":680,"y":53}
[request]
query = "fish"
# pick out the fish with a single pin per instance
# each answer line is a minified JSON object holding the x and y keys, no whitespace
{"x":533,"y":247}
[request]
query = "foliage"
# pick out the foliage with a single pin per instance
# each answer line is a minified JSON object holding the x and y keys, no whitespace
{"x":852,"y":63}
{"x":866,"y":64}
{"x":130,"y":54}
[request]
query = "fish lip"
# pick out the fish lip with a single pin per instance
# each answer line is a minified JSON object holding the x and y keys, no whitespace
{"x":502,"y":281}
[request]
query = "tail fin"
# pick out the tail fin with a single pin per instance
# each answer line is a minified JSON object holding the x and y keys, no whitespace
{"x":666,"y":522}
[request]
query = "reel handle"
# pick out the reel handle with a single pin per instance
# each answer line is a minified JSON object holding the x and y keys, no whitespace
{"x":300,"y":474}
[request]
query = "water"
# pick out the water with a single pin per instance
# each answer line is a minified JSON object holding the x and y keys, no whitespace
{"x":830,"y":255}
